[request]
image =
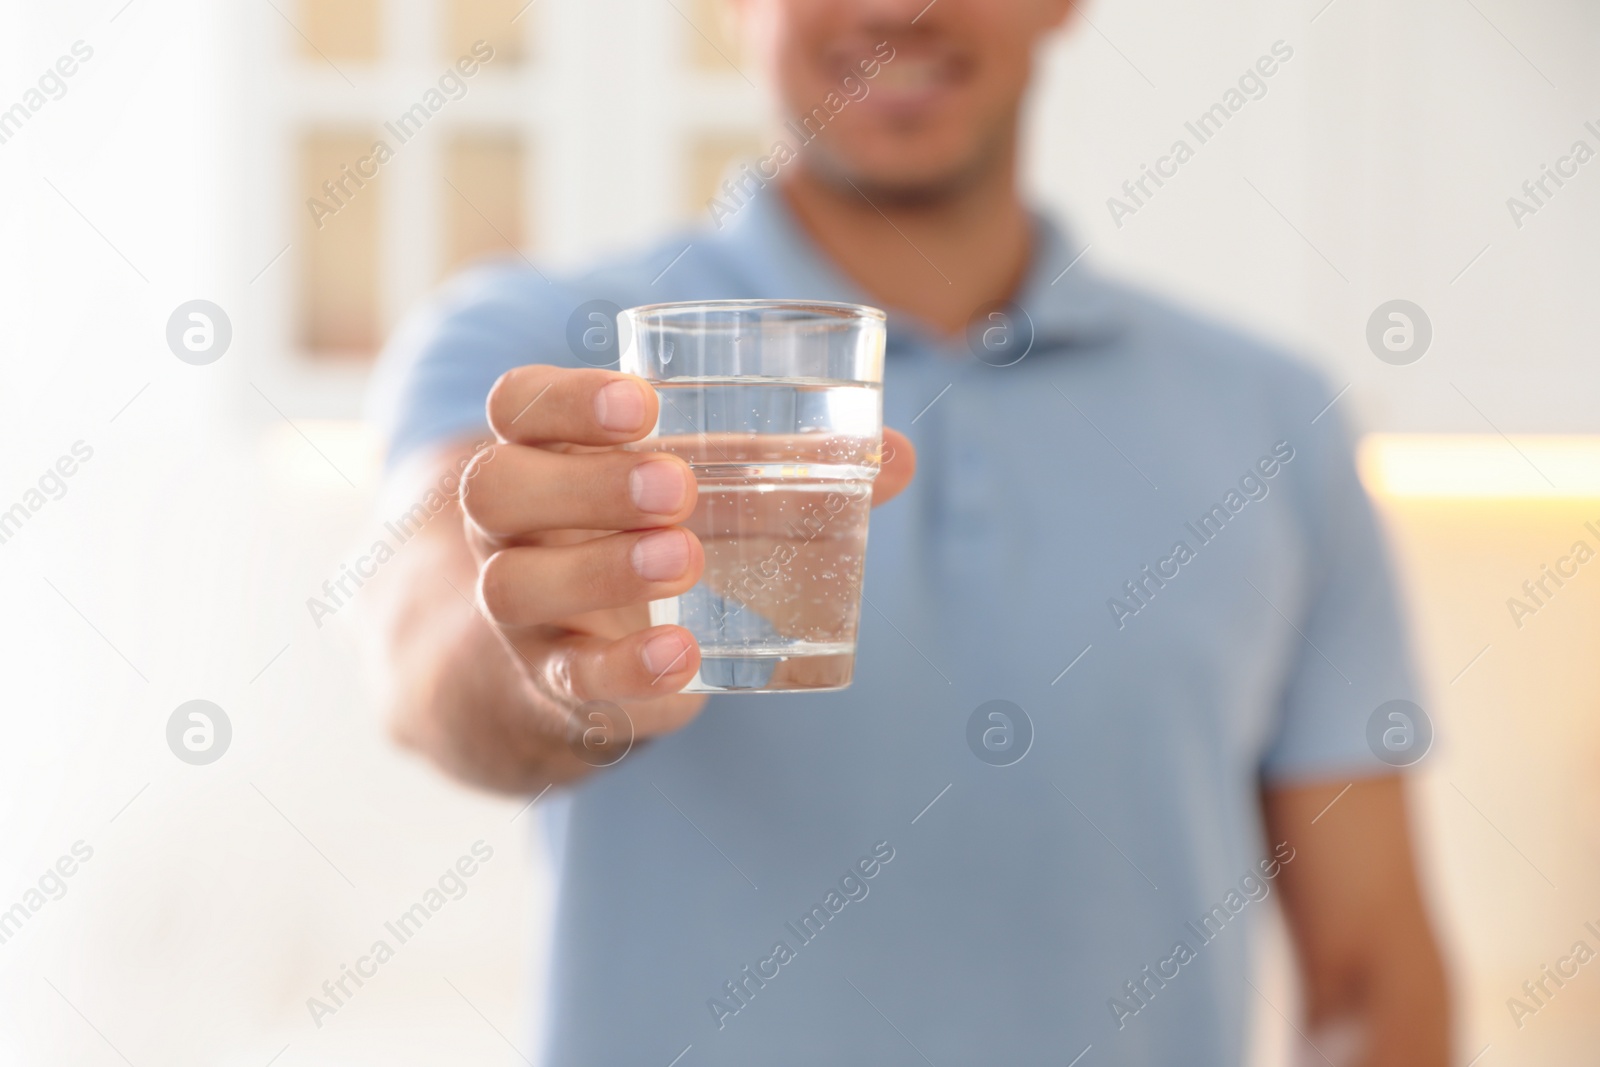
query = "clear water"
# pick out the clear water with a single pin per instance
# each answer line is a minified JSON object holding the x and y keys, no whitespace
{"x":784,"y":468}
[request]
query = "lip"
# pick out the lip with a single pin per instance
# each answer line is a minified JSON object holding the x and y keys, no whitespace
{"x":915,"y":80}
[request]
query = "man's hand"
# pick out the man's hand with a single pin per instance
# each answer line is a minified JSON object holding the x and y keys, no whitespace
{"x":1374,"y":984}
{"x":563,"y":540}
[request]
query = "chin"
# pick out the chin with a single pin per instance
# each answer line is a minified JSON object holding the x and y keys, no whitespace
{"x":908,"y":175}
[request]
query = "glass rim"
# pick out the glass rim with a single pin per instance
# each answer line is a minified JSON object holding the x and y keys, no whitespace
{"x":824,"y":310}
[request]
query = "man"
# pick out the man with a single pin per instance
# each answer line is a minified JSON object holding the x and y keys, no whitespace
{"x":1126,"y":525}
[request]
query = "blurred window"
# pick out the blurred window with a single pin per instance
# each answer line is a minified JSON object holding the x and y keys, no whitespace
{"x":711,"y":159}
{"x":499,"y":22}
{"x":339,"y":244}
{"x":339,"y":29}
{"x":482,"y":191}
{"x":713,"y":45}
{"x":465,"y":183}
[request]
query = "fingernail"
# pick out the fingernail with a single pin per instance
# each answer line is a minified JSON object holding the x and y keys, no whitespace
{"x":664,"y":653}
{"x":657,"y":487}
{"x":661,"y":556}
{"x":620,"y":406}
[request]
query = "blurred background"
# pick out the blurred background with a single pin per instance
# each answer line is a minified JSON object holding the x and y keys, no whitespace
{"x":175,"y":163}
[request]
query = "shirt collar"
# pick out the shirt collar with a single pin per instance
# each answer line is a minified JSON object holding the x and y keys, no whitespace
{"x":1063,"y":301}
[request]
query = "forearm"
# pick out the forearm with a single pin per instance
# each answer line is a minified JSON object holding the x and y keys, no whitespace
{"x":1375,"y":990}
{"x":1389,"y":1013}
{"x":453,"y":692}
{"x":1403,"y":1005}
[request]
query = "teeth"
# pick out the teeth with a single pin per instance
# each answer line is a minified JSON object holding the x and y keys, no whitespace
{"x":910,"y":74}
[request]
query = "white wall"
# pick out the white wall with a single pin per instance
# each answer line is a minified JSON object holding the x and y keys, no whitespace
{"x":1391,"y":141}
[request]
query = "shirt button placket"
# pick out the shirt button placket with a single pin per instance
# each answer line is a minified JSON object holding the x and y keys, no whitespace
{"x":971,"y":519}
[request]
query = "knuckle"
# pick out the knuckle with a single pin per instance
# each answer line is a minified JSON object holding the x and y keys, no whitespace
{"x":497,"y":586}
{"x":505,"y":396}
{"x":474,"y":490}
{"x":581,"y":671}
{"x":497,"y":401}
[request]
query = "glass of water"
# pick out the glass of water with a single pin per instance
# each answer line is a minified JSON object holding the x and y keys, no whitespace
{"x":777,"y":405}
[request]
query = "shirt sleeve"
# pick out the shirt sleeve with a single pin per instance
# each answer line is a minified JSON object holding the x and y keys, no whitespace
{"x":1353,"y":653}
{"x":436,"y":371}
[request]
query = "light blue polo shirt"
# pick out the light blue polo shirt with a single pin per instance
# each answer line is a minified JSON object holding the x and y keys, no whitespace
{"x":1140,"y":533}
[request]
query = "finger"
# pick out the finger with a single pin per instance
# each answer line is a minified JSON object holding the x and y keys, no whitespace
{"x":512,"y":490}
{"x":899,"y":466}
{"x":644,"y":665}
{"x":537,"y":404}
{"x":525,"y":586}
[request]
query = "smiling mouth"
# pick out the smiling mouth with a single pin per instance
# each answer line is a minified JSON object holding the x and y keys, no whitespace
{"x":910,"y":78}
{"x":906,"y":74}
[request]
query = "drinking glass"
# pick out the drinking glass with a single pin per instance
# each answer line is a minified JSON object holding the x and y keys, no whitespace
{"x":777,"y":405}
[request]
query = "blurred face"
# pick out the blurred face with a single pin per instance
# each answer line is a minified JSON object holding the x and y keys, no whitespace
{"x":931,"y":92}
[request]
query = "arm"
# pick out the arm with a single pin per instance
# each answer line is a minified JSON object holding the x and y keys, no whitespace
{"x":452,"y":689}
{"x":525,"y":597}
{"x":1367,"y":955}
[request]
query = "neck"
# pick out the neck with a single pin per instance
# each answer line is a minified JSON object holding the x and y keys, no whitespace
{"x":939,"y":259}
